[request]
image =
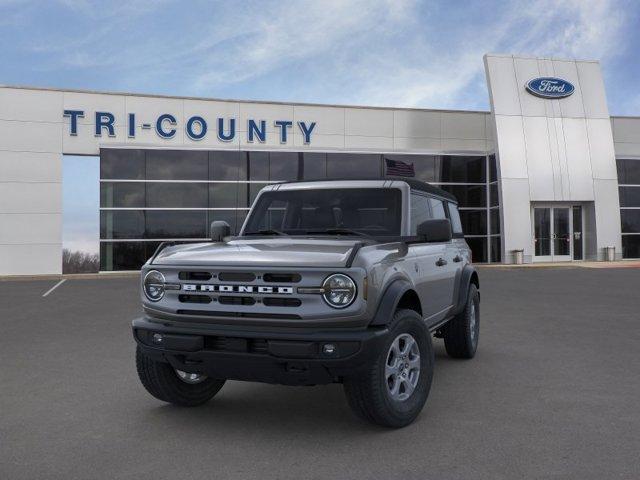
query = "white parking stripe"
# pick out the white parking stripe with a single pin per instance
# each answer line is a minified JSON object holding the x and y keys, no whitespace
{"x":54,"y":287}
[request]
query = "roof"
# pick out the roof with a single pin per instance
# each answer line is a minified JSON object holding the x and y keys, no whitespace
{"x":412,"y":182}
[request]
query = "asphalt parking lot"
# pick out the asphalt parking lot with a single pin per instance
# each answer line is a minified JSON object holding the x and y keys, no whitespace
{"x":554,"y":392}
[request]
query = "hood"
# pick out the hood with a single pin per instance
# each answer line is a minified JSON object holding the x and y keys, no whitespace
{"x":276,"y":252}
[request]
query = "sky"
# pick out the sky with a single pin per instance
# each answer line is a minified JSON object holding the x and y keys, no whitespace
{"x":373,"y":52}
{"x":400,"y":53}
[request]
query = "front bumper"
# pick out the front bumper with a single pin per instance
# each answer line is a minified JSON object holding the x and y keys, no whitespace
{"x":301,"y":357}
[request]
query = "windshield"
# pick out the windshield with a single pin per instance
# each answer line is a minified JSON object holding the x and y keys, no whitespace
{"x":346,"y":211}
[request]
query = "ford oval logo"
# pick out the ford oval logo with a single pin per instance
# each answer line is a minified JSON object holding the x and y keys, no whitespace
{"x":550,"y":87}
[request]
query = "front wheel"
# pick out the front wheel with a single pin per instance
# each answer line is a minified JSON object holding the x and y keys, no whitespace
{"x":175,"y":386}
{"x":393,"y":390}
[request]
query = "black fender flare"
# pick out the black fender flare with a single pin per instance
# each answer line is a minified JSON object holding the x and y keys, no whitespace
{"x":468,"y":276}
{"x":389,"y":301}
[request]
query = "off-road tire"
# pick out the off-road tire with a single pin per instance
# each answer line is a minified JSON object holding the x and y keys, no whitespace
{"x":459,"y":340}
{"x":161,"y":381}
{"x":367,"y":393}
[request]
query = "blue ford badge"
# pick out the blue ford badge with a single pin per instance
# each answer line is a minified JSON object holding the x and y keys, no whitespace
{"x":550,"y":87}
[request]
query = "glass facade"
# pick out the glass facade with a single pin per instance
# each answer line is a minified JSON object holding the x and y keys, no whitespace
{"x":629,"y":191}
{"x":150,"y":196}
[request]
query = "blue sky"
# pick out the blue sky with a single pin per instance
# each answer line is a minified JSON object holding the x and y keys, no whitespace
{"x":369,"y":52}
{"x":395,"y":52}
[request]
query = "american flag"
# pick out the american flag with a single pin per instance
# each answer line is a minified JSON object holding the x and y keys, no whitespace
{"x":399,"y":168}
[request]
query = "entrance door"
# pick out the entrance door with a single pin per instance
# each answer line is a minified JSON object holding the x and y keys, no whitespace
{"x":553,"y":234}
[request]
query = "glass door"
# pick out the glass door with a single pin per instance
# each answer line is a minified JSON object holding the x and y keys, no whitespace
{"x":553,"y":229}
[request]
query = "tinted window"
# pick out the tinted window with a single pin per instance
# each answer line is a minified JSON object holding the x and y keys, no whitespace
{"x":496,"y":254}
{"x":494,"y":215}
{"x":474,"y":222}
{"x":420,"y":211}
{"x":283,"y":166}
{"x":227,"y":165}
{"x":628,"y":171}
{"x":258,"y":166}
{"x":176,"y":224}
{"x":122,"y":224}
{"x":353,"y":165}
{"x":493,"y":195}
{"x":631,"y":246}
{"x":478,"y":247}
{"x":369,"y":210}
{"x":468,"y":195}
{"x":177,"y":165}
{"x":122,"y":164}
{"x":437,"y":208}
{"x":314,"y":165}
{"x":630,"y":196}
{"x":454,"y":216}
{"x":493,"y":169}
{"x":122,"y":195}
{"x":460,"y":169}
{"x":630,"y":221}
{"x":228,"y":195}
{"x":177,"y":195}
{"x":122,"y":255}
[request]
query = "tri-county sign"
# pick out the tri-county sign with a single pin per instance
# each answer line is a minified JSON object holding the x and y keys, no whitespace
{"x":550,"y":87}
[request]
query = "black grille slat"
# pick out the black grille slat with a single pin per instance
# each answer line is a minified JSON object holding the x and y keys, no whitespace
{"x":197,"y":276}
{"x":281,"y":277}
{"x":195,"y":298}
{"x":281,"y":302}
{"x":236,"y":277}
{"x":213,"y":313}
{"x":231,"y":300}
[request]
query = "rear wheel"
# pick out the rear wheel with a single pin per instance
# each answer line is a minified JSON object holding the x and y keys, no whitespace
{"x":175,"y":386}
{"x":462,"y":332}
{"x":393,"y":390}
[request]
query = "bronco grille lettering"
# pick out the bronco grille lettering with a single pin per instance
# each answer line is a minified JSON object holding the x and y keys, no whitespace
{"x":192,"y":287}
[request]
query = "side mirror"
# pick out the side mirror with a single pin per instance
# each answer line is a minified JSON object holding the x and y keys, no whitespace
{"x":436,"y":230}
{"x":219,"y":230}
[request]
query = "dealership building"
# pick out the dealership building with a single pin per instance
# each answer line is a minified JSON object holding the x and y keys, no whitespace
{"x":545,"y":175}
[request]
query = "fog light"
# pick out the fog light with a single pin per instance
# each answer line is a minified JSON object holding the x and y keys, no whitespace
{"x":157,"y":338}
{"x":328,"y":349}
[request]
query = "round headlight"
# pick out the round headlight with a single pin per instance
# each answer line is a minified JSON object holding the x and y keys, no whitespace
{"x":339,"y":290}
{"x":153,"y":285}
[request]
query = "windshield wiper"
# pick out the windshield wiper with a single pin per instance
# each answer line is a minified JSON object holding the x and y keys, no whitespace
{"x":268,"y":231}
{"x":339,"y":231}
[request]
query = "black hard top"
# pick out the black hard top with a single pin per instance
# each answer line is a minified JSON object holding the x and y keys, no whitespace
{"x":417,"y":185}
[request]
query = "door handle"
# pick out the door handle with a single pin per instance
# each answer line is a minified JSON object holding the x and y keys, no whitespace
{"x":441,"y":262}
{"x":457,"y":258}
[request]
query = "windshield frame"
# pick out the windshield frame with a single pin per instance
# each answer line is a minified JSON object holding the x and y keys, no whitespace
{"x":365,"y":185}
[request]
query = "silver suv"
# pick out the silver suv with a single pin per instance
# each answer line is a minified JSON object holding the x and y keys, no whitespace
{"x":328,"y":281}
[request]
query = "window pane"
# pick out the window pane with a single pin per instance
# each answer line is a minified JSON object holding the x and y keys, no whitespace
{"x":283,"y":166}
{"x":437,"y":208}
{"x":121,"y":224}
{"x":468,"y":195}
{"x":462,"y":169}
{"x":494,"y":200}
{"x":496,"y":254}
{"x":454,"y":216}
{"x":314,"y":165}
{"x":493,"y":168}
{"x":474,"y":222}
{"x":227,"y":165}
{"x":122,"y":255}
{"x":177,"y":195}
{"x":176,"y":224}
{"x":122,"y":164}
{"x":630,"y":221}
{"x":630,"y":196}
{"x":258,"y":165}
{"x":122,"y":195}
{"x":228,"y":195}
{"x":631,"y":246}
{"x":478,"y":247}
{"x":353,"y":165}
{"x":254,"y":189}
{"x":177,"y":165}
{"x":628,"y":171}
{"x":420,"y":211}
{"x":421,"y":167}
{"x":494,"y":215}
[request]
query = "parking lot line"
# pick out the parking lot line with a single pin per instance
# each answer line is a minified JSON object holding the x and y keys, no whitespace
{"x":54,"y":287}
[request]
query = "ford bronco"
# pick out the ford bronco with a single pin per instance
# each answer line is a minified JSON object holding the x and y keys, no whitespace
{"x":328,"y":281}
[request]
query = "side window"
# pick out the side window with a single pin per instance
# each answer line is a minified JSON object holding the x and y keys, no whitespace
{"x":454,"y":216}
{"x":437,"y":208}
{"x":420,"y":211}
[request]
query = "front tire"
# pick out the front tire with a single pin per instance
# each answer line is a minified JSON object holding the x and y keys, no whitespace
{"x":393,"y":390}
{"x":462,"y":332}
{"x":173,"y":386}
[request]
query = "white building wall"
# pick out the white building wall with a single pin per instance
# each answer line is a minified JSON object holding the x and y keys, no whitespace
{"x":34,"y":135}
{"x":552,"y":150}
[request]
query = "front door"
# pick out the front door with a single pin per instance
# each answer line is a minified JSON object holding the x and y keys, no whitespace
{"x":553,"y":234}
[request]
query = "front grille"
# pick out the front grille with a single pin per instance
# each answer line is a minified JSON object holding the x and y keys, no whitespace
{"x":236,"y":344}
{"x":213,"y":313}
